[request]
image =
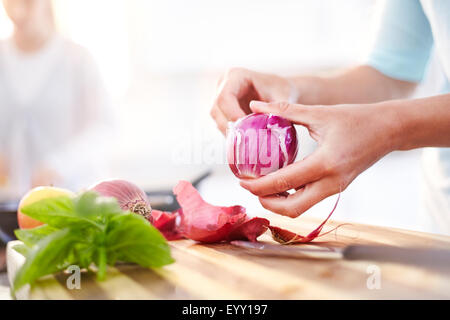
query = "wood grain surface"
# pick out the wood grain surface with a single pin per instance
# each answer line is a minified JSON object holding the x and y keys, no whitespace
{"x":221,"y":271}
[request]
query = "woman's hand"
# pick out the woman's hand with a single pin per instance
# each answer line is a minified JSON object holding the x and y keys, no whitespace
{"x":350,"y":139}
{"x":362,"y":84}
{"x":238,"y":87}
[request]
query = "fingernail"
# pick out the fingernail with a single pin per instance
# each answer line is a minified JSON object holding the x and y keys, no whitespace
{"x":256,"y":104}
{"x":243,"y":184}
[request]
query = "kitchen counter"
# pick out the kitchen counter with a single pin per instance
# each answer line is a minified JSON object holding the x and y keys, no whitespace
{"x":222,"y":271}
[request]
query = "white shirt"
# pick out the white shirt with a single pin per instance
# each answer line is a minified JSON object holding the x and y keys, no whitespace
{"x":53,"y":113}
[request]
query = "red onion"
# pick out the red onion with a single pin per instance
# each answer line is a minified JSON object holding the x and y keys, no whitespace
{"x":129,"y":196}
{"x":259,"y":144}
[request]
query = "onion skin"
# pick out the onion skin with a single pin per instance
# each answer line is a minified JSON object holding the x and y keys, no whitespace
{"x":129,"y":196}
{"x":204,"y":222}
{"x":259,"y":144}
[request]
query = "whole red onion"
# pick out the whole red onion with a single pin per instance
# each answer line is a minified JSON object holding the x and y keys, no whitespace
{"x":129,"y":196}
{"x":259,"y":144}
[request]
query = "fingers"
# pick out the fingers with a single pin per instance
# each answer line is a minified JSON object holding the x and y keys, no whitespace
{"x":293,"y":176}
{"x":229,"y":105}
{"x":226,"y":106}
{"x":297,"y":113}
{"x":297,"y":203}
{"x":220,"y":119}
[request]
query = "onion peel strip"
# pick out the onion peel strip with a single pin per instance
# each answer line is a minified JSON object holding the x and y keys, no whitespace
{"x":203,"y":222}
{"x":280,"y":235}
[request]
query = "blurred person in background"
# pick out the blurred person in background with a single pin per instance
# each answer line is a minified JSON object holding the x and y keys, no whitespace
{"x":53,"y":107}
{"x":371,"y":114}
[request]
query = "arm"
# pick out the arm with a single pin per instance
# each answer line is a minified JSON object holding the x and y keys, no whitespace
{"x":395,"y":64}
{"x":423,"y":122}
{"x":362,"y":84}
{"x":351,"y":138}
{"x":397,"y":61}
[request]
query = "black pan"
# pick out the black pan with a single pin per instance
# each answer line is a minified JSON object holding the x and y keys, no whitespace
{"x":160,"y":200}
{"x":8,"y":220}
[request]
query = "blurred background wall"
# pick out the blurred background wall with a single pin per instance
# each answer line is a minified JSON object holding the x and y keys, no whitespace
{"x":161,"y":61}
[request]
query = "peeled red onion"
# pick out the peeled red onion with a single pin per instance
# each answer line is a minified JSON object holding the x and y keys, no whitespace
{"x":129,"y":196}
{"x":259,"y":144}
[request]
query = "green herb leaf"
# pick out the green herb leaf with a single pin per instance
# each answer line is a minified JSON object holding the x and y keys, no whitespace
{"x":57,"y":212}
{"x":86,"y":230}
{"x":31,"y":236}
{"x":48,"y":256}
{"x":91,"y":206}
{"x":144,"y":245}
{"x":22,"y":249}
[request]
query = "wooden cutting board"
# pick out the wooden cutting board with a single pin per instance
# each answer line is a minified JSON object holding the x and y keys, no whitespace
{"x":221,"y":271}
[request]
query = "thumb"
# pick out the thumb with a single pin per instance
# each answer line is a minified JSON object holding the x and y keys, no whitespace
{"x":296,"y":113}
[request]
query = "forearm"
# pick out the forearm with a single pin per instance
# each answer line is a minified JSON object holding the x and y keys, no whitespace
{"x":421,"y":122}
{"x":361,"y":84}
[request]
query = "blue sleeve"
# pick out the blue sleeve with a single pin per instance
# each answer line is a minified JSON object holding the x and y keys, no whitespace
{"x":403,"y":42}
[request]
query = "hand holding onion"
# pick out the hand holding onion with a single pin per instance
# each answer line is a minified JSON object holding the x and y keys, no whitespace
{"x":350,"y":140}
{"x":238,"y":86}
